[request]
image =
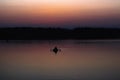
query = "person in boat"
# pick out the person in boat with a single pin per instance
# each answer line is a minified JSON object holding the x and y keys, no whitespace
{"x":55,"y":50}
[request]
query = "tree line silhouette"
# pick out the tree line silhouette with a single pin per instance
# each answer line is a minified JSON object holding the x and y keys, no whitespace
{"x":24,"y":33}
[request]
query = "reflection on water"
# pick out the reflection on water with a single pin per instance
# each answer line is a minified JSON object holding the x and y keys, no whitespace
{"x":78,"y":60}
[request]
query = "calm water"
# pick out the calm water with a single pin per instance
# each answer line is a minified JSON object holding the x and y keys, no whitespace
{"x":78,"y":60}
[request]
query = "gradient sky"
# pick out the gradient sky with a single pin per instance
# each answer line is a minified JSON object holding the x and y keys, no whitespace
{"x":56,"y":13}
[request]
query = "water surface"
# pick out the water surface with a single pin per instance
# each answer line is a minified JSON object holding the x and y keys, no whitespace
{"x":78,"y":60}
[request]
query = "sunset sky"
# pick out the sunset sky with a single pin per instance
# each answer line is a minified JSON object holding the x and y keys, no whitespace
{"x":60,"y":13}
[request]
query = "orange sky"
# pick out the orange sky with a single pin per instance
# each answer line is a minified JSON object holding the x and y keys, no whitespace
{"x":57,"y":11}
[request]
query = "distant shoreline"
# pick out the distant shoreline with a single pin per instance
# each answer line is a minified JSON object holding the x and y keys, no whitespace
{"x":59,"y":34}
{"x":58,"y":41}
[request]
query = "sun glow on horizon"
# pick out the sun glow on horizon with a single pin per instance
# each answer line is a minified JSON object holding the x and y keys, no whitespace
{"x":56,"y":7}
{"x":57,"y":11}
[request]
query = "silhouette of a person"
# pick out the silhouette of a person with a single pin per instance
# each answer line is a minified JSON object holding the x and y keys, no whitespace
{"x":55,"y":50}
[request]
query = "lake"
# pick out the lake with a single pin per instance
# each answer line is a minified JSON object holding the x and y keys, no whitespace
{"x":77,"y":60}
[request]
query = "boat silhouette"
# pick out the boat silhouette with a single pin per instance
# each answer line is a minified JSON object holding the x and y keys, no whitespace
{"x":56,"y":50}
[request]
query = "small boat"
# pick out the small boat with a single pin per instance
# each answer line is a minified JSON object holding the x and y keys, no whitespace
{"x":55,"y":50}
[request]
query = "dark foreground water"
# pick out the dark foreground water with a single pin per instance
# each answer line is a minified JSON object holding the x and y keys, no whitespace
{"x":78,"y":60}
